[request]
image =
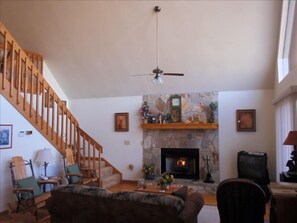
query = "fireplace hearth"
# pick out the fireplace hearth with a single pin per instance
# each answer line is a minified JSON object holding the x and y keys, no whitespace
{"x":180,"y":162}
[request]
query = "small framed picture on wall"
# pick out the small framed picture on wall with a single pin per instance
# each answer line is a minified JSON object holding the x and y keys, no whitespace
{"x":246,"y":120}
{"x":5,"y":136}
{"x":121,"y":122}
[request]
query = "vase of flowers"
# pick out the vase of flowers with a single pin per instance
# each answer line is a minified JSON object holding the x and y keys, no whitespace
{"x":149,"y":171}
{"x":166,"y":180}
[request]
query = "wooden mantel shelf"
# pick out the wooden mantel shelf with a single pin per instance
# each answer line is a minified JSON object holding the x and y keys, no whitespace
{"x":181,"y":126}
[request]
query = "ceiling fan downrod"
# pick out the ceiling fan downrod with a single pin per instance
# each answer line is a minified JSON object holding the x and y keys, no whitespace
{"x":157,"y":9}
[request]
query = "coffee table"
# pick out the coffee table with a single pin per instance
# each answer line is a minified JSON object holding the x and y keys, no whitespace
{"x":150,"y":188}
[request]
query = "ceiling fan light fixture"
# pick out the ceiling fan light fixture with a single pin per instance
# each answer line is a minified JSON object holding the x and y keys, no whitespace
{"x":158,"y":80}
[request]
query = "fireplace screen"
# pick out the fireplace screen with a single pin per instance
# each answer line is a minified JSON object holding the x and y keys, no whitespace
{"x":181,"y":163}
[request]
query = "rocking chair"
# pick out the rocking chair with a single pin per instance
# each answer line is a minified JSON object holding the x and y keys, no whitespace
{"x":28,"y":193}
{"x":77,"y":175}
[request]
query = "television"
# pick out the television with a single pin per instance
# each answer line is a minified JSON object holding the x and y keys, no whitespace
{"x":253,"y":166}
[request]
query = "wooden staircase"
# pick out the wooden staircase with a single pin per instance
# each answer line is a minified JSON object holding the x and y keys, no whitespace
{"x":23,"y":85}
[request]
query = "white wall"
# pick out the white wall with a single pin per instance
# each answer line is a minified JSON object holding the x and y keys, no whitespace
{"x":96,"y":117}
{"x":231,"y":141}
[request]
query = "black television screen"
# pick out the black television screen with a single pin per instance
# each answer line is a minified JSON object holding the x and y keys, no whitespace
{"x":253,"y":165}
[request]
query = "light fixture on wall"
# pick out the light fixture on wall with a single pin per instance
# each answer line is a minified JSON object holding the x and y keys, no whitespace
{"x":292,"y":140}
{"x":44,"y":156}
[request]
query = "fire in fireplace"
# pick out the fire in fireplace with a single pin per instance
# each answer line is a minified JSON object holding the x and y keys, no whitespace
{"x":181,"y":163}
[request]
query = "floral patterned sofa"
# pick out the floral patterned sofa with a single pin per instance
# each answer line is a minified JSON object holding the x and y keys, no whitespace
{"x":76,"y":203}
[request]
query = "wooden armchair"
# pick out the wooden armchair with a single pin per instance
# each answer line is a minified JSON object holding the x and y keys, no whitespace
{"x":28,"y":193}
{"x":77,"y":175}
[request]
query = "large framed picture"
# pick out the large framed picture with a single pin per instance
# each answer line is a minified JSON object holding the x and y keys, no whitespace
{"x":5,"y":136}
{"x":121,"y":122}
{"x":246,"y":120}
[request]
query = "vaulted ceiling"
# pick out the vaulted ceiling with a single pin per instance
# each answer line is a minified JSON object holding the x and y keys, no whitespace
{"x":95,"y":48}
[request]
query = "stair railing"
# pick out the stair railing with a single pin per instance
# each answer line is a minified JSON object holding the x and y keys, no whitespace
{"x":24,"y":86}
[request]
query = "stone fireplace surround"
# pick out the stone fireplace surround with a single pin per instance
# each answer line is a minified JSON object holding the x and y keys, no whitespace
{"x":206,"y":140}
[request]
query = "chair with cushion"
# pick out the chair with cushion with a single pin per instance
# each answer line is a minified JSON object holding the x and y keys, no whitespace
{"x":75,"y":174}
{"x":240,"y":200}
{"x":28,"y":193}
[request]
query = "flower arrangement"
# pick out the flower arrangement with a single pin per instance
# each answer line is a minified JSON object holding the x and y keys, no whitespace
{"x":150,"y":169}
{"x":166,"y":179}
{"x":145,"y":112}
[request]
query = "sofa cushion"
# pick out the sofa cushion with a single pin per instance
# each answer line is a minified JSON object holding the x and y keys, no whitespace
{"x":181,"y":192}
{"x":83,"y":190}
{"x":29,"y":182}
{"x":148,"y":198}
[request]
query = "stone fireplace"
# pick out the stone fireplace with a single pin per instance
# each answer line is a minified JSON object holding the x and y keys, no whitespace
{"x":205,"y":140}
{"x":195,"y":108}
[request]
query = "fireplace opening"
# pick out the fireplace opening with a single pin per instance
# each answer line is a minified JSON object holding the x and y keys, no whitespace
{"x":181,"y":163}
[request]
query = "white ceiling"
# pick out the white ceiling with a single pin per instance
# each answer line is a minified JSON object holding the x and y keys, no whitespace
{"x":94,"y":48}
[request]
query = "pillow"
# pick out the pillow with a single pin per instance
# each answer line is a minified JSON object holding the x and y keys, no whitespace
{"x":74,"y":169}
{"x":181,"y":192}
{"x":29,"y":182}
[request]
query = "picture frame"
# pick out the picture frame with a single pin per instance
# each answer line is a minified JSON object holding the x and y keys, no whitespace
{"x":5,"y":136}
{"x":121,"y":122}
{"x":246,"y":120}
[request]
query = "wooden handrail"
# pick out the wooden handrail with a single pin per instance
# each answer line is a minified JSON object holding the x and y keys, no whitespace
{"x":24,"y":86}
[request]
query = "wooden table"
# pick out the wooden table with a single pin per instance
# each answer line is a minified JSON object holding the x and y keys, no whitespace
{"x":283,"y":202}
{"x":53,"y":181}
{"x":151,"y":188}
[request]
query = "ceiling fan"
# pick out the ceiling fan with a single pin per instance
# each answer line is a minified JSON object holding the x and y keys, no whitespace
{"x":157,"y":71}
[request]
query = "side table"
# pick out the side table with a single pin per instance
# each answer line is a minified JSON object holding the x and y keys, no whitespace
{"x":52,"y":181}
{"x":283,"y":202}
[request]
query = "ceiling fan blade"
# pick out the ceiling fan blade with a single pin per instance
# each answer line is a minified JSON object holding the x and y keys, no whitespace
{"x":141,"y":74}
{"x":174,"y":74}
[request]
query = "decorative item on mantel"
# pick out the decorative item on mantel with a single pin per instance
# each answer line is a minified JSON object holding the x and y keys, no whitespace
{"x":213,"y":106}
{"x":149,"y":171}
{"x":166,"y":180}
{"x":145,"y":112}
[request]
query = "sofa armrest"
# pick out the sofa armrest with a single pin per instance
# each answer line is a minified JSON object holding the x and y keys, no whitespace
{"x":193,"y":205}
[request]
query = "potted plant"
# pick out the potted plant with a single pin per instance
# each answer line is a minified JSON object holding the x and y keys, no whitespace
{"x":213,"y":106}
{"x":166,"y":180}
{"x":149,"y":171}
